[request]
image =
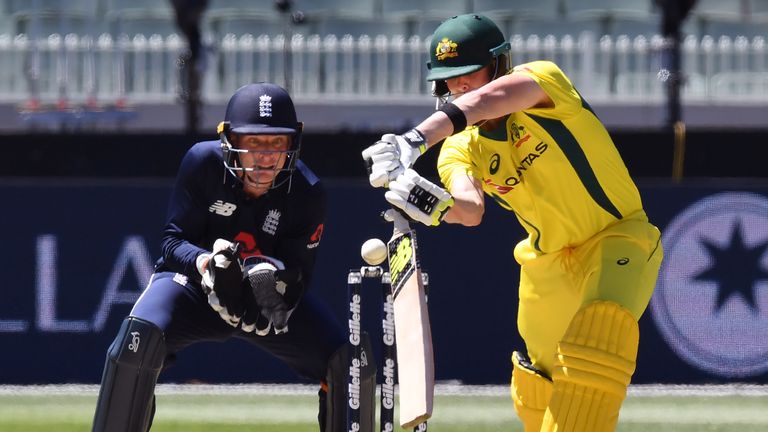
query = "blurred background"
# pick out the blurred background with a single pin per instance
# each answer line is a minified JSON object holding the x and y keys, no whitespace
{"x":99,"y":100}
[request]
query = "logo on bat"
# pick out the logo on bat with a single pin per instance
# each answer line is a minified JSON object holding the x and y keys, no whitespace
{"x":401,"y":262}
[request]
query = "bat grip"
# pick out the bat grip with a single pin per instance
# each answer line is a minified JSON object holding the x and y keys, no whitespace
{"x":400,"y":219}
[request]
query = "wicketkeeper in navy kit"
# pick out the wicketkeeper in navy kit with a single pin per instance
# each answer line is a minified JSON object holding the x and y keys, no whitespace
{"x":244,"y":223}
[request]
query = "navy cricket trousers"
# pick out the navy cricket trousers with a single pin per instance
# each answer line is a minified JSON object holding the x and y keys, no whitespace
{"x":181,"y":310}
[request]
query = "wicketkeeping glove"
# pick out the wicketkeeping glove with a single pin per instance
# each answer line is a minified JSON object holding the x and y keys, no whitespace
{"x":222,"y":278}
{"x":266,"y":306}
{"x":393,"y":154}
{"x":419,"y":198}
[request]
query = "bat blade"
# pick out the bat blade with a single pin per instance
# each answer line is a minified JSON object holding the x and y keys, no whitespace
{"x":413,"y":335}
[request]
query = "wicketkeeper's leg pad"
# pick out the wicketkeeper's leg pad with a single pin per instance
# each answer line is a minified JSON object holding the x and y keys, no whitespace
{"x":531,"y":391}
{"x":338,"y":397}
{"x":134,"y":361}
{"x":595,"y":362}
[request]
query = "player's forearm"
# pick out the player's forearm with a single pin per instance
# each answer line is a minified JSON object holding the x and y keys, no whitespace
{"x":468,"y":207}
{"x":505,"y":95}
{"x":468,"y":201}
{"x":508,"y":94}
{"x":466,"y":213}
{"x":435,"y":128}
{"x":180,"y":255}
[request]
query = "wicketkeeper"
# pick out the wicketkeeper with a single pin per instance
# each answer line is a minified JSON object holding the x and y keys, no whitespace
{"x":528,"y":139}
{"x":245,"y":220}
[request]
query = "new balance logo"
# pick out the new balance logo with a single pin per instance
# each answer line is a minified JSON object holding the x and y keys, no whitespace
{"x":222,"y":208}
{"x":270,"y":222}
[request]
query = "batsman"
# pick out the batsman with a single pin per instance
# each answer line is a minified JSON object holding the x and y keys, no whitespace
{"x":527,"y":138}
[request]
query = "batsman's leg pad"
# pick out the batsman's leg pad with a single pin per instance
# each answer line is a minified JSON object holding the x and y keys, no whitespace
{"x":134,"y":360}
{"x":531,"y":391}
{"x":338,"y":397}
{"x":595,"y":362}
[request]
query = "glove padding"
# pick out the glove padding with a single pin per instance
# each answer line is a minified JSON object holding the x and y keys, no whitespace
{"x":393,"y":154}
{"x":265,"y":305}
{"x":222,"y":279}
{"x":419,"y":198}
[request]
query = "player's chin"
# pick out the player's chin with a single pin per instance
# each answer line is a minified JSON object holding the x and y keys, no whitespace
{"x":259,"y":184}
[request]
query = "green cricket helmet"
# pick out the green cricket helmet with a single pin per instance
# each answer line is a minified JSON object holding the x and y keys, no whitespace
{"x":464,"y":44}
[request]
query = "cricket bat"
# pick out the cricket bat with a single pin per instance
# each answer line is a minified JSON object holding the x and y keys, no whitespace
{"x":413,"y":336}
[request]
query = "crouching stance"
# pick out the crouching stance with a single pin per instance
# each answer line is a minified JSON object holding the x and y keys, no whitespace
{"x":244,"y":224}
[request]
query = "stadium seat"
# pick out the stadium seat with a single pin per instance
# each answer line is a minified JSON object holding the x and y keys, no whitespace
{"x":555,"y":26}
{"x":616,"y":17}
{"x":634,"y":26}
{"x":340,"y":26}
{"x":345,"y":8}
{"x":147,"y":17}
{"x":424,"y":8}
{"x":715,"y":15}
{"x":253,"y":25}
{"x":518,"y":8}
{"x":518,"y":16}
{"x":426,"y":26}
{"x":44,"y":17}
{"x":249,"y":8}
{"x":757,"y":9}
{"x":239,"y":17}
{"x":733,"y":9}
{"x":750,"y":29}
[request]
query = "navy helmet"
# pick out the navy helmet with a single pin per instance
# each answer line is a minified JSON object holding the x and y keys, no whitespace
{"x":260,"y":109}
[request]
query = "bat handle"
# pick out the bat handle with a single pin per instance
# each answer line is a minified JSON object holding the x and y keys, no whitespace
{"x":398,"y":218}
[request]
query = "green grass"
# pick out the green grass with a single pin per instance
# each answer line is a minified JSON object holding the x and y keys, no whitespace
{"x":48,"y":409}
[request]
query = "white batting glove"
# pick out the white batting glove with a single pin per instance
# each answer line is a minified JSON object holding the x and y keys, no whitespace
{"x":392,"y":155}
{"x":419,"y":198}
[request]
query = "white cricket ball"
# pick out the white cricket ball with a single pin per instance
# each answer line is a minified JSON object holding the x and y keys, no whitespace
{"x":374,"y":251}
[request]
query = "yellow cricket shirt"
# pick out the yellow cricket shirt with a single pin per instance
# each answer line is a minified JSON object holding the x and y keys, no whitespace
{"x":556,"y":168}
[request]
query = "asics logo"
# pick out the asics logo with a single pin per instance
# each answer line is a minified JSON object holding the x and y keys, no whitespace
{"x":222,"y":208}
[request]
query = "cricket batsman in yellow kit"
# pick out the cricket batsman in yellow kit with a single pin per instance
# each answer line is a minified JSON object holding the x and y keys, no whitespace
{"x":527,"y":138}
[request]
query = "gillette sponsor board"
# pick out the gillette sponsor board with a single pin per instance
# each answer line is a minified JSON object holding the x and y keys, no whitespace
{"x":77,"y":255}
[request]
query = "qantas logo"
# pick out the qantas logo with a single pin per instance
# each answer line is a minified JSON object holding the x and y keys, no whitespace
{"x":222,"y":208}
{"x":711,"y":298}
{"x":525,"y":164}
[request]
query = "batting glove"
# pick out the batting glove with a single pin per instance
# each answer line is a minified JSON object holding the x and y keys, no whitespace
{"x":393,"y":154}
{"x":222,"y":276}
{"x":419,"y":198}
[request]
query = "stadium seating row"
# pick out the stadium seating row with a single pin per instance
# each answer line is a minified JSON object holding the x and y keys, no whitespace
{"x":373,"y":17}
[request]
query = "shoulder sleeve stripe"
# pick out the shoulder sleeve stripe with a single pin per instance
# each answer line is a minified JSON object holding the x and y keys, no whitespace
{"x":307,"y":173}
{"x":585,"y":104}
{"x":575,"y":154}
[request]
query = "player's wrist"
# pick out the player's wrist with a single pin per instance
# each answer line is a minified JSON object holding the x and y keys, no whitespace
{"x":416,"y":139}
{"x":441,"y":210}
{"x":201,"y":262}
